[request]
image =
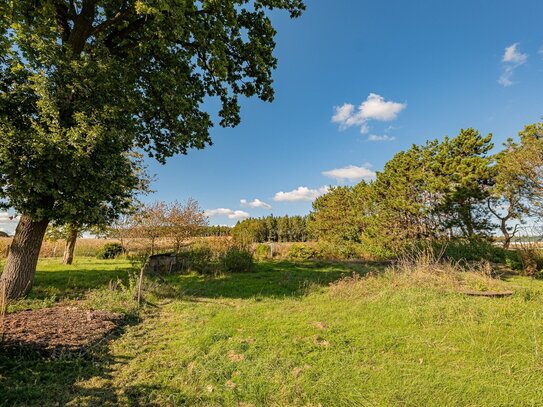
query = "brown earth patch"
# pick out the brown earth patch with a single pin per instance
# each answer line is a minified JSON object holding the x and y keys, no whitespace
{"x":57,"y":329}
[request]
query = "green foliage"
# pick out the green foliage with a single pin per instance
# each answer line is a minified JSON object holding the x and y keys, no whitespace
{"x":271,"y":229}
{"x":196,"y":258}
{"x":83,"y":89}
{"x":300,"y":251}
{"x":462,"y":250}
{"x":262,"y":252}
{"x":236,"y":260}
{"x":436,"y":191}
{"x":342,"y":251}
{"x":214,"y":230}
{"x":517,"y":190}
{"x":338,"y":216}
{"x":110,"y":251}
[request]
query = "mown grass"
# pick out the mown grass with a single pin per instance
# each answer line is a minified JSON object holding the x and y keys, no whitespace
{"x":284,"y":336}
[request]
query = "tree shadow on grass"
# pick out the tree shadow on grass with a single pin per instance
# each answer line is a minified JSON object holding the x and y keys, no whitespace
{"x":73,"y":284}
{"x":33,"y":377}
{"x":270,"y":280}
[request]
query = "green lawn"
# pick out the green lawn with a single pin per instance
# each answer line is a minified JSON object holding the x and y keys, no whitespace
{"x":282,"y":337}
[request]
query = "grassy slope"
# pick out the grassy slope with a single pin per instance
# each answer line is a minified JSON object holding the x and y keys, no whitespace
{"x":282,"y":337}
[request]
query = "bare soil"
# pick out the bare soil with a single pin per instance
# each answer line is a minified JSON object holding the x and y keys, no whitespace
{"x":57,"y":329}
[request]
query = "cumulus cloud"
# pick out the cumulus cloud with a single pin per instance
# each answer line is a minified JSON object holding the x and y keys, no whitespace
{"x":255,"y":203}
{"x":231,"y":214}
{"x":375,"y":107}
{"x":351,"y":173}
{"x":511,"y":60}
{"x":300,"y":194}
{"x":384,"y":137}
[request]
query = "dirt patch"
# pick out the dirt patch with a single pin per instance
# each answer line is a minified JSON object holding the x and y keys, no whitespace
{"x":57,"y":329}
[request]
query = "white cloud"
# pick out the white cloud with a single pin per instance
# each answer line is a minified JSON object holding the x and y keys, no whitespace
{"x":512,"y":54}
{"x":512,"y":59}
{"x":344,"y":115}
{"x":375,"y":107}
{"x":8,"y":222}
{"x":231,"y":214}
{"x":384,"y":137}
{"x":255,"y":203}
{"x":351,"y":173}
{"x":300,"y":194}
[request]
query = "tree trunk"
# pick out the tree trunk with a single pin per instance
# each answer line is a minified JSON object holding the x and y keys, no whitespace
{"x":20,"y":267}
{"x":70,"y":246}
{"x":506,"y":236}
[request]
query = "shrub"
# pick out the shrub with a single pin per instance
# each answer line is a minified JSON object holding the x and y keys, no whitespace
{"x":531,"y":261}
{"x":110,"y":251}
{"x":464,"y":250}
{"x":235,"y":260}
{"x":342,"y":251}
{"x":301,"y":251}
{"x":198,"y":258}
{"x":262,"y":252}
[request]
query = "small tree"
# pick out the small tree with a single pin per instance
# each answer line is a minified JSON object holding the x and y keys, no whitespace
{"x":184,"y":220}
{"x":518,"y":181}
{"x":122,"y":228}
{"x":151,"y":222}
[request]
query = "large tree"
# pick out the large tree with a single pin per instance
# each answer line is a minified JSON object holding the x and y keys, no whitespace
{"x":465,"y":168}
{"x":83,"y":83}
{"x":338,"y":216}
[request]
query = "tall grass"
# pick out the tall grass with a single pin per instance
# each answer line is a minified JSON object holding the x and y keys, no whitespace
{"x":422,"y":270}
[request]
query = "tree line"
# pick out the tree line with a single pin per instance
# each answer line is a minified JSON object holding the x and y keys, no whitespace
{"x":455,"y":188}
{"x":271,"y":229}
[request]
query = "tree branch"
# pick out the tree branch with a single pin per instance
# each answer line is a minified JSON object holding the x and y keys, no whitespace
{"x":82,"y":26}
{"x":62,"y":15}
{"x":123,"y":12}
{"x":117,"y":35}
{"x":492,"y":211}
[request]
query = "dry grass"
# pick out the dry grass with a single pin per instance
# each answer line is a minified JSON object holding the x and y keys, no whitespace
{"x":88,"y":247}
{"x":421,"y":271}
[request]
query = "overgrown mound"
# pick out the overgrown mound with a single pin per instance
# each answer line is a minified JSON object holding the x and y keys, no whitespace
{"x":58,"y":329}
{"x":426,"y":271}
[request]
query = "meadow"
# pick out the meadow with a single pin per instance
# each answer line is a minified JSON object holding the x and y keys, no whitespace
{"x":290,"y":333}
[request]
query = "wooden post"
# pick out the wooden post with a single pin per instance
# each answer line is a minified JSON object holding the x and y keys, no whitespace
{"x":140,"y":284}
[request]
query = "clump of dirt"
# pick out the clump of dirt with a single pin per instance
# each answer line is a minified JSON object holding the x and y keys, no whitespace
{"x":57,"y":329}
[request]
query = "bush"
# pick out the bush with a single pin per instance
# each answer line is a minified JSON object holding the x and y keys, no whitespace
{"x":197,"y":258}
{"x":531,"y":261}
{"x":301,"y":251}
{"x":342,"y":251}
{"x":110,"y":251}
{"x":236,"y":260}
{"x":464,"y":250}
{"x":262,"y":252}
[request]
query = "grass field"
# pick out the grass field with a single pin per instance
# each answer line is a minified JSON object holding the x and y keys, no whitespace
{"x":283,"y":336}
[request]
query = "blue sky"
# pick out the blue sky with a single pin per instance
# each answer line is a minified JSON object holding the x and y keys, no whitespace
{"x":431,"y":68}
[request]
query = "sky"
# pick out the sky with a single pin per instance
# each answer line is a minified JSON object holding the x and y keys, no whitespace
{"x":357,"y":82}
